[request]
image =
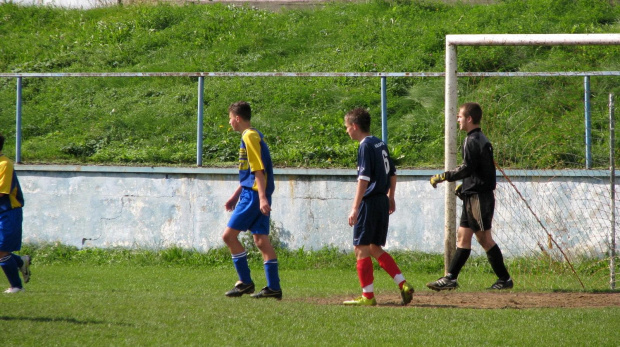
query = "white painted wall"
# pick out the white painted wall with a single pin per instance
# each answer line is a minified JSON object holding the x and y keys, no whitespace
{"x":163,"y":207}
{"x":83,"y":4}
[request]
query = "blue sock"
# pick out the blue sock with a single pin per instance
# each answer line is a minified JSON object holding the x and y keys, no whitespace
{"x":9,"y":266}
{"x":240,"y":261}
{"x":271,"y":272}
{"x":18,"y":259}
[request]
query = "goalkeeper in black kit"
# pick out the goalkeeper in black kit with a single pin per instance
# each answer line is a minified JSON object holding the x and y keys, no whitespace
{"x":476,"y":191}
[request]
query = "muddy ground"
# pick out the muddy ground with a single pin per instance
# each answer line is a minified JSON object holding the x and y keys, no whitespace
{"x":493,"y":300}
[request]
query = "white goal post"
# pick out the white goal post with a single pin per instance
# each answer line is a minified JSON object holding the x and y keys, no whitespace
{"x":451,"y":100}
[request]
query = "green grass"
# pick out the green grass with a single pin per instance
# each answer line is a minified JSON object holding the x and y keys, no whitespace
{"x":533,"y":122}
{"x":533,"y":273}
{"x":78,"y":304}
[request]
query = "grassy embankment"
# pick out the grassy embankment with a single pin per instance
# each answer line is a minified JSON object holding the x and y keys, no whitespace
{"x":533,"y":122}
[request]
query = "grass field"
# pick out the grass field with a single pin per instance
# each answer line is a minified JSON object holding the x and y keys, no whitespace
{"x":125,"y":304}
{"x":152,"y":121}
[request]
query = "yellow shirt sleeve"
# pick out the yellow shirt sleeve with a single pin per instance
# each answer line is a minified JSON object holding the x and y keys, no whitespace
{"x":6,"y":176}
{"x":252,"y":145}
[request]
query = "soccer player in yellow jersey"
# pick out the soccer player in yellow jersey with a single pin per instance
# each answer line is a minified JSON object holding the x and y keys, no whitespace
{"x":11,"y":203}
{"x":251,"y":205}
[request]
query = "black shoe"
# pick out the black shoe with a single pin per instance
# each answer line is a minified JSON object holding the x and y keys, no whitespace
{"x":241,"y":288}
{"x":268,"y":293}
{"x":501,"y":284}
{"x":444,"y":283}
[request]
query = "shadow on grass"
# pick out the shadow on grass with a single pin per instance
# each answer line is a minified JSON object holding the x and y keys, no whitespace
{"x":61,"y":319}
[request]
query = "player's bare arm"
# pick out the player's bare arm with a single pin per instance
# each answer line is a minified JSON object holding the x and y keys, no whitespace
{"x":391,"y":194}
{"x":261,"y":184}
{"x":359,"y":194}
{"x":232,"y":202}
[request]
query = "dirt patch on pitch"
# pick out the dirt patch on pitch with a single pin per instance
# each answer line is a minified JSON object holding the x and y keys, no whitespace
{"x":494,"y":300}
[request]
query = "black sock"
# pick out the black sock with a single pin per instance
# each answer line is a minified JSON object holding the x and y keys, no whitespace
{"x":18,"y":260}
{"x":497,"y":263}
{"x":460,"y":258}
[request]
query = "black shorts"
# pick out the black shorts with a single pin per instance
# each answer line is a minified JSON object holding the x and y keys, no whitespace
{"x":477,"y":213}
{"x":372,"y":221}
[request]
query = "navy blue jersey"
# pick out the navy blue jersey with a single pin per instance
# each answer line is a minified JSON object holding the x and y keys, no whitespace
{"x":375,"y":166}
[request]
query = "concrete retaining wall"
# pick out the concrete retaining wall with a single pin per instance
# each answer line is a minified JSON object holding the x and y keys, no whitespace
{"x":163,"y":207}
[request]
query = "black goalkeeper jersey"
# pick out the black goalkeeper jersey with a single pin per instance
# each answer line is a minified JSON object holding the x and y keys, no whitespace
{"x":478,"y":168}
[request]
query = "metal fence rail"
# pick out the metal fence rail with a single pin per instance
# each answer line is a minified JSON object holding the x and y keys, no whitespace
{"x":201,"y":75}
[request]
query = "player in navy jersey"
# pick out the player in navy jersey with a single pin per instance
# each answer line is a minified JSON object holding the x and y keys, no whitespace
{"x":372,"y":205}
{"x":11,"y":203}
{"x":251,"y":205}
{"x":477,"y":193}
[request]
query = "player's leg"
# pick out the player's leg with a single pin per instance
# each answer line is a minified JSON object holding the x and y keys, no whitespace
{"x":364,"y":235}
{"x":260,"y":233}
{"x":379,"y":208}
{"x":270,"y":263}
{"x":365,"y":275}
{"x":486,"y":209}
{"x":463,"y":251}
{"x":461,"y":255}
{"x":23,"y":263}
{"x":12,"y":220}
{"x":365,"y":270}
{"x":244,"y":285}
{"x":241,"y":219}
{"x":11,"y":240}
{"x":496,"y":259}
{"x":387,"y":263}
{"x":231,"y":239}
{"x":11,"y":270}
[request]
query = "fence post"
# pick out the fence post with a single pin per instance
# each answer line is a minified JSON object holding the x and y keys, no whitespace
{"x":18,"y":123}
{"x":588,"y":116}
{"x":199,"y":125}
{"x":384,"y":131}
{"x":612,"y":181}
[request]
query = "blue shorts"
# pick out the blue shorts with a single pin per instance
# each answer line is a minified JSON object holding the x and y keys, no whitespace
{"x":11,"y":230}
{"x":372,"y":221}
{"x":247,"y":214}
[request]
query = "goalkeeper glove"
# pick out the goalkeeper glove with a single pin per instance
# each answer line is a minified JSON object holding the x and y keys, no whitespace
{"x":438,"y":179}
{"x":459,"y":191}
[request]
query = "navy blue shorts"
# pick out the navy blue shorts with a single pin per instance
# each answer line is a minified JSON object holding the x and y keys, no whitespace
{"x":372,"y":221}
{"x":247,"y":214}
{"x":478,"y":210}
{"x":11,"y":230}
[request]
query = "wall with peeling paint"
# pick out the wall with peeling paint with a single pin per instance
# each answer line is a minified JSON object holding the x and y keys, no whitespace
{"x":163,"y":207}
{"x":158,"y":208}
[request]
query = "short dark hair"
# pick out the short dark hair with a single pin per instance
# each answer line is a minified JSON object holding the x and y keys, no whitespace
{"x":359,"y":116}
{"x":473,"y":110}
{"x":1,"y":142}
{"x":241,"y":109}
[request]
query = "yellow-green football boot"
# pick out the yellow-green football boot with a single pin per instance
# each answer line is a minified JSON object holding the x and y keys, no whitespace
{"x":406,"y":293}
{"x":361,"y":301}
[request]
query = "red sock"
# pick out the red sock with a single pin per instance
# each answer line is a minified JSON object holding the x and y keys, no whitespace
{"x":366,"y":276}
{"x":388,"y":264}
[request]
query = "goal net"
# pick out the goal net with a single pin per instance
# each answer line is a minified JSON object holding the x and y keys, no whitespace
{"x":550,"y":223}
{"x":553,"y":218}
